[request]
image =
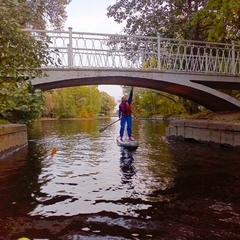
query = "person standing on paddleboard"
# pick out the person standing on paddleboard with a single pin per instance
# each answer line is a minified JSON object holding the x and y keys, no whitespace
{"x":124,"y":113}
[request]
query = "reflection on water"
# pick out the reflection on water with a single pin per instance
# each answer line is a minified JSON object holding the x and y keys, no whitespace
{"x":93,"y":189}
{"x":126,"y":165}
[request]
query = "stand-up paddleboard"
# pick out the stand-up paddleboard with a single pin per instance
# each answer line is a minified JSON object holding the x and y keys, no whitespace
{"x":127,"y":143}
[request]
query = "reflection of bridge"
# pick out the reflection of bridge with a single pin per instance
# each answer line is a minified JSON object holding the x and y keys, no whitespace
{"x":190,"y":69}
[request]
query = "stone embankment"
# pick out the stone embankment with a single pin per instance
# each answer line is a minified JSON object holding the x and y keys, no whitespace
{"x":212,"y":132}
{"x":12,"y":137}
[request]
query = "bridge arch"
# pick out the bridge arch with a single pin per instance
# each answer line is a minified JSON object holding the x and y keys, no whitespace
{"x":188,"y":85}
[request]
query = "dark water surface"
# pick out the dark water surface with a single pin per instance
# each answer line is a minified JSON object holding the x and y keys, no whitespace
{"x":93,"y":189}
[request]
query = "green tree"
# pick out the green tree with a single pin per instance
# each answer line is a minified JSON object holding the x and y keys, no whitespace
{"x":220,"y":20}
{"x":148,"y":103}
{"x":49,"y":104}
{"x":170,"y":18}
{"x":82,"y":101}
{"x":93,"y":100}
{"x":21,"y":57}
{"x":64,"y":103}
{"x":38,"y":14}
{"x":21,"y":54}
{"x":107,"y":104}
{"x":18,"y":105}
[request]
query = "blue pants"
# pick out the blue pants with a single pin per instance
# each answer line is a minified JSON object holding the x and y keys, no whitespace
{"x":125,"y":119}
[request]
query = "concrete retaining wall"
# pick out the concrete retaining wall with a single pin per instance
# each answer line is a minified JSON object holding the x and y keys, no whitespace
{"x":213,"y":132}
{"x":12,"y":137}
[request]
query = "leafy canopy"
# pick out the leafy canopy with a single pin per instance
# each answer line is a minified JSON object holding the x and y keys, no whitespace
{"x":84,"y":101}
{"x":217,"y":20}
{"x":220,"y":19}
{"x":170,"y":18}
{"x":21,"y":56}
{"x":37,"y":14}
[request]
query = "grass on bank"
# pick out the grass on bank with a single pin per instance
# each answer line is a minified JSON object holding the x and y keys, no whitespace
{"x":3,"y":121}
{"x":201,"y":115}
{"x":206,"y":115}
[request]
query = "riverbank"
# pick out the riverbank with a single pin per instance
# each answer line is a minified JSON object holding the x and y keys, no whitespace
{"x":222,"y":129}
{"x":210,"y":116}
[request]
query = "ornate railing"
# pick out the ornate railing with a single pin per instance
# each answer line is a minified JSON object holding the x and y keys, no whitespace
{"x":93,"y":50}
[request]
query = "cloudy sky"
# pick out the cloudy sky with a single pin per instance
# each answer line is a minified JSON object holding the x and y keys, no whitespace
{"x":90,"y":16}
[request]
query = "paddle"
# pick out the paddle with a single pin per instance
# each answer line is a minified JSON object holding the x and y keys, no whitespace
{"x":103,"y":129}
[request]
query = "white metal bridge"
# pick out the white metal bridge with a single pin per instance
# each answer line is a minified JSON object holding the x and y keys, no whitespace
{"x":190,"y":69}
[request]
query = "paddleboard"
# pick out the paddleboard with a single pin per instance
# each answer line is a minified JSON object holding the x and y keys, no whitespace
{"x":127,"y":143}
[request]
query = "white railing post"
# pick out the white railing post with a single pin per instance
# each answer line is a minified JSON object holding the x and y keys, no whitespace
{"x":206,"y":62}
{"x":143,"y":58}
{"x":159,"y":51}
{"x":233,"y":67}
{"x":70,"y":49}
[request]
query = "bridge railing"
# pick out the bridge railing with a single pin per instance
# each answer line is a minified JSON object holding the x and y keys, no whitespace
{"x":93,"y":50}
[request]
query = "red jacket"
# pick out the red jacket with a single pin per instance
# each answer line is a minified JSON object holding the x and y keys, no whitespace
{"x":125,"y":109}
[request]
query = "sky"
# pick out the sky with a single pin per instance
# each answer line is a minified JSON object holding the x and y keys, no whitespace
{"x":90,"y":16}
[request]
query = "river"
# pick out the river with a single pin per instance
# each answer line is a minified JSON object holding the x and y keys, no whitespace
{"x":93,"y":189}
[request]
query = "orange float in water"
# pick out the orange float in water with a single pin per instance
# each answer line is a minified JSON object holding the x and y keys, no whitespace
{"x":53,"y":152}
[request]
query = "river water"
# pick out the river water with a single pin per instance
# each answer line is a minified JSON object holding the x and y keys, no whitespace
{"x":93,"y":189}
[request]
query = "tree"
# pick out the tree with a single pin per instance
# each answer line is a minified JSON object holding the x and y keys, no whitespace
{"x":108,"y":104}
{"x":170,"y":18}
{"x":220,"y":20}
{"x":64,"y":103}
{"x":82,"y":101}
{"x":93,"y":100}
{"x":38,"y":14}
{"x":49,"y":104}
{"x":151,"y":103}
{"x":21,"y":57}
{"x":18,"y":105}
